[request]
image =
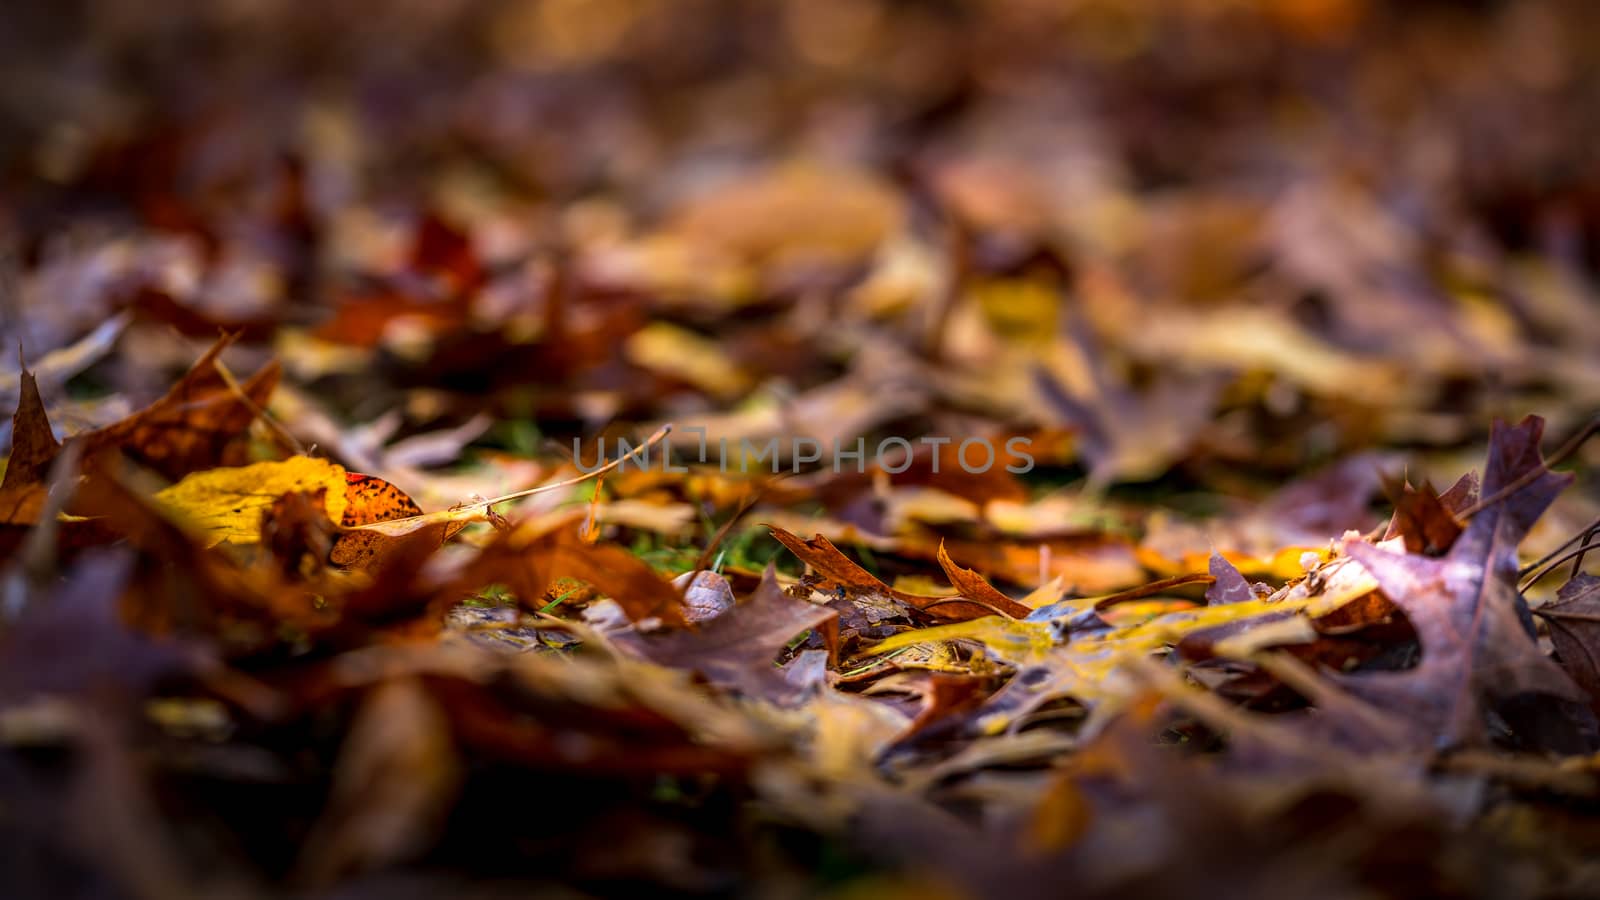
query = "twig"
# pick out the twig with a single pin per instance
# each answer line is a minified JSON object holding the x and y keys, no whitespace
{"x":1583,"y":534}
{"x":722,"y":533}
{"x":400,"y":524}
{"x":289,"y":440}
{"x":1574,"y":554}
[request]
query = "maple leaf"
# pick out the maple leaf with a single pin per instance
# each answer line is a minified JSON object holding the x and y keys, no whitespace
{"x":737,"y":648}
{"x":1474,"y":628}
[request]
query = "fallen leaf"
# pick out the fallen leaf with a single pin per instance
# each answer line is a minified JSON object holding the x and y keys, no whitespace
{"x":1424,"y":518}
{"x":838,"y":570}
{"x":368,"y":500}
{"x":528,"y":561}
{"x":197,"y":425}
{"x":973,"y":586}
{"x":393,"y":786}
{"x":228,"y":504}
{"x":33,"y":444}
{"x":33,"y":448}
{"x":1229,"y":586}
{"x":1475,"y":630}
{"x":1574,"y":620}
{"x":706,"y":595}
{"x":737,"y":648}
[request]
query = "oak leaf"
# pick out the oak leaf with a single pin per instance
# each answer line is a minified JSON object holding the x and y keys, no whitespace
{"x":1476,"y":632}
{"x":1574,"y":620}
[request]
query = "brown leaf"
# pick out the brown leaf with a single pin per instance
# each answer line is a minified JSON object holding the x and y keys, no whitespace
{"x":33,"y":449}
{"x":737,"y":649}
{"x":1476,"y":634}
{"x":973,"y":586}
{"x":946,"y":699}
{"x":33,"y":444}
{"x":393,"y":787}
{"x":1574,"y":620}
{"x":1088,"y":564}
{"x":296,"y":530}
{"x":840,"y":572}
{"x":529,"y":562}
{"x":1420,"y":517}
{"x":197,"y":425}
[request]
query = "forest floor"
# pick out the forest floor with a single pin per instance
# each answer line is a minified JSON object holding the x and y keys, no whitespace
{"x":836,"y":448}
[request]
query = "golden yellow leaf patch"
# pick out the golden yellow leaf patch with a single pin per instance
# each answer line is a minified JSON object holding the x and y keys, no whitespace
{"x":227,"y":504}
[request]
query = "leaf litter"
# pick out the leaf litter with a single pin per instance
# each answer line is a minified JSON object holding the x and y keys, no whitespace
{"x":364,"y":620}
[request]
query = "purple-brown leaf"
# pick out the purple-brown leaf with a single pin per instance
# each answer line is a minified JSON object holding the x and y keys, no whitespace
{"x":1475,"y":630}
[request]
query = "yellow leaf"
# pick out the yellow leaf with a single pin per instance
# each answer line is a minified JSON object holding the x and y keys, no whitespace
{"x":1013,"y":640}
{"x":227,"y":504}
{"x":1282,"y":565}
{"x":681,"y":353}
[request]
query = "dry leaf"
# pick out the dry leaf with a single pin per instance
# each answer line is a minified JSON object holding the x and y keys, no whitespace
{"x":228,"y":504}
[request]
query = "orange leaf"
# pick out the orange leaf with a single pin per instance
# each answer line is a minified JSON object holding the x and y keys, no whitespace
{"x":837,"y":569}
{"x":197,"y":425}
{"x":975,"y":587}
{"x":370,"y":499}
{"x":528,"y":564}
